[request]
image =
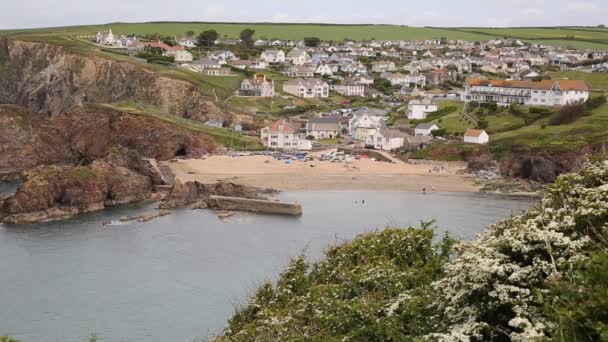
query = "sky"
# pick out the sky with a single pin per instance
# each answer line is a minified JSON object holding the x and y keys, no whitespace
{"x":485,"y":13}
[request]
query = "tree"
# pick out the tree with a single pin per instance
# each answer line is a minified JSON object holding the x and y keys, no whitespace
{"x":247,"y":36}
{"x":312,"y":41}
{"x":190,"y":33}
{"x":207,"y":38}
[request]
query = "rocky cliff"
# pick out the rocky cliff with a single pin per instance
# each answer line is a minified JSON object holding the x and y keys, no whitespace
{"x":543,"y":166}
{"x":54,"y":192}
{"x":85,"y":134}
{"x":49,"y":79}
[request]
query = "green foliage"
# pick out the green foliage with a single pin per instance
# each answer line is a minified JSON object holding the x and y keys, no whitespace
{"x":207,"y":38}
{"x":375,"y":288}
{"x":7,"y":339}
{"x":312,"y":41}
{"x":482,"y":124}
{"x":578,"y":303}
{"x":568,"y":114}
{"x":383,"y":85}
{"x":439,"y":132}
{"x":247,"y":36}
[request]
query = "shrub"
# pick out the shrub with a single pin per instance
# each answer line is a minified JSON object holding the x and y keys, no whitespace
{"x":568,"y":114}
{"x":482,"y":124}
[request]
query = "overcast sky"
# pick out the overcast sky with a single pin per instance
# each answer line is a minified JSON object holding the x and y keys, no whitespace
{"x":494,"y":13}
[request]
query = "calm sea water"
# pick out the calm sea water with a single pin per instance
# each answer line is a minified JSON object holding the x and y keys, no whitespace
{"x":177,"y":278}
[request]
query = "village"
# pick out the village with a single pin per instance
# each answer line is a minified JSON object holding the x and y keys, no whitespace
{"x":378,"y":95}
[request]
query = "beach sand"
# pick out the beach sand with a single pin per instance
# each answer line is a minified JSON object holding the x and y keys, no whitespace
{"x":364,"y":174}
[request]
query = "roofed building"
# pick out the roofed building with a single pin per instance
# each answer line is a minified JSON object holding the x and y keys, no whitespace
{"x":543,"y":93}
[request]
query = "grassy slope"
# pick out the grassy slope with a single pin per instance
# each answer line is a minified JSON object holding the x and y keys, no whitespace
{"x":595,"y":80}
{"x":590,"y":129}
{"x":582,"y":37}
{"x":208,"y":85}
{"x":221,"y":135}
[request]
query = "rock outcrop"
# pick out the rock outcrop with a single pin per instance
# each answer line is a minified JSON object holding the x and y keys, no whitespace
{"x":56,"y":192}
{"x":197,"y":194}
{"x":86,"y":134}
{"x":52,"y":80}
{"x":542,"y":166}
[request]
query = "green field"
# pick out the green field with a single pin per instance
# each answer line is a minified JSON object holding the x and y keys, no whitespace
{"x":596,"y":80}
{"x":566,"y":36}
{"x":576,"y":37}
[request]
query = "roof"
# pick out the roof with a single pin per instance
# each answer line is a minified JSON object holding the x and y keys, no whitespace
{"x":475,"y":133}
{"x":282,"y":126}
{"x":392,"y":133}
{"x":578,"y":85}
{"x":426,"y":125}
{"x":564,"y":85}
{"x":423,"y":102}
{"x":323,"y":120}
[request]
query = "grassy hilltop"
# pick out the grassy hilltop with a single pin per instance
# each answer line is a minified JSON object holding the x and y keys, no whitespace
{"x":579,"y":37}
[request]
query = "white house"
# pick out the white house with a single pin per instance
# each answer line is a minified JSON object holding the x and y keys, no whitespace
{"x":180,"y":54}
{"x":323,"y":128}
{"x":105,"y":38}
{"x":383,"y":66}
{"x":543,"y":93}
{"x":283,"y":135}
{"x":273,"y":56}
{"x":203,"y":64}
{"x":324,"y":70}
{"x":425,"y":129}
{"x":298,"y":57}
{"x":386,"y":139}
{"x":187,"y":42}
{"x":303,"y":71}
{"x":364,"y":125}
{"x":224,"y":56}
{"x":306,"y":88}
{"x":349,"y":88}
{"x":257,"y":86}
{"x":405,"y":79}
{"x":475,"y":136}
{"x":418,"y":109}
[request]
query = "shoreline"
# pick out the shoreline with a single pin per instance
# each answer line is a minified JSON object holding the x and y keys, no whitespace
{"x":364,"y":174}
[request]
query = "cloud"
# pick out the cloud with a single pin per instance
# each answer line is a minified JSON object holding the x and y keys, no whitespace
{"x":531,"y":12}
{"x":581,"y":6}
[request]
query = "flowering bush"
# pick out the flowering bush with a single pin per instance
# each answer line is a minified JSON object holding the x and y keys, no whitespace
{"x":494,"y":288}
{"x":518,"y":281}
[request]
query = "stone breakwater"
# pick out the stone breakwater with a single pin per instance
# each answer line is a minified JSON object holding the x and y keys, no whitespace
{"x":255,"y":205}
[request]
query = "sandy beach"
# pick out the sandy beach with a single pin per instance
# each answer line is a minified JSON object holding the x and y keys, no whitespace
{"x":364,"y":174}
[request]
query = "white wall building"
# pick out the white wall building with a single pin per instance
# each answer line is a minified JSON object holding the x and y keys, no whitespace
{"x":418,"y":109}
{"x":273,"y":56}
{"x":306,"y":88}
{"x":544,"y":93}
{"x":283,"y":135}
{"x":475,"y":136}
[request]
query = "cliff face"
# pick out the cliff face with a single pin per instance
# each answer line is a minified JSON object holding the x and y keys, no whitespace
{"x":542,"y":166}
{"x":53,"y":192}
{"x":48,"y":79}
{"x":85,"y":134}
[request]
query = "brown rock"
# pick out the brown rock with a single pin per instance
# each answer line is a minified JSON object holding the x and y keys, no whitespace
{"x":87,"y":134}
{"x":197,"y":194}
{"x":52,"y":192}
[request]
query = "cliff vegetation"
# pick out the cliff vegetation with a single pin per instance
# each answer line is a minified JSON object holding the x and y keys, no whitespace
{"x":534,"y":277}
